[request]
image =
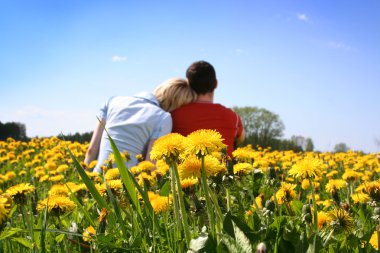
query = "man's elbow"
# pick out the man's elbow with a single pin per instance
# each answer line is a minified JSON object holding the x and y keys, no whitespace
{"x":240,"y":139}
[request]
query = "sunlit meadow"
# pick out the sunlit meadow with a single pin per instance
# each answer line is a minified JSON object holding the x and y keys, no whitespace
{"x":190,"y":197}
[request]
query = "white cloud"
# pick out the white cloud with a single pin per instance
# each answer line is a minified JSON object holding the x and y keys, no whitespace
{"x":302,"y":17}
{"x":118,"y":58}
{"x":338,"y":45}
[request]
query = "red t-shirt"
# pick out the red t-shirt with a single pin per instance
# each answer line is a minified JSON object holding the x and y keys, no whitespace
{"x":206,"y":115}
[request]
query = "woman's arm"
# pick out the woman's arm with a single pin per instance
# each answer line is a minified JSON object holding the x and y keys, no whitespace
{"x":93,"y":149}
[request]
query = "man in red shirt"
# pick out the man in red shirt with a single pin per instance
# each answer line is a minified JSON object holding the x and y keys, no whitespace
{"x":203,"y":113}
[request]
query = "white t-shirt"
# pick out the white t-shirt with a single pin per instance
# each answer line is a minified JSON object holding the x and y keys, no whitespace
{"x":132,"y":122}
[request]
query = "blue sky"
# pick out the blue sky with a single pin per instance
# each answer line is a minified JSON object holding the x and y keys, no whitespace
{"x":314,"y":63}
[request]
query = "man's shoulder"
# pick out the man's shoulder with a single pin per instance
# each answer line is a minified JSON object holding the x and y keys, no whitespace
{"x":206,"y":108}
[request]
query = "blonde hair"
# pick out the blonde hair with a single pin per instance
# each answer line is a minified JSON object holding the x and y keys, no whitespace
{"x":174,"y":93}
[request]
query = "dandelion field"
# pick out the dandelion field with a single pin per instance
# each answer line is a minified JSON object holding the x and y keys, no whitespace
{"x":191,"y":198}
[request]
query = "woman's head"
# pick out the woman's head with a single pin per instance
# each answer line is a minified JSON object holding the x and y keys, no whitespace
{"x":174,"y":93}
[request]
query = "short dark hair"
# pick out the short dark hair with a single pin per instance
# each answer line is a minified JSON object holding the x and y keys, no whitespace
{"x":201,"y":77}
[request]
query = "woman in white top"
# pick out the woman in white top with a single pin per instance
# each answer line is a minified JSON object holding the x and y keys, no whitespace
{"x":135,"y":122}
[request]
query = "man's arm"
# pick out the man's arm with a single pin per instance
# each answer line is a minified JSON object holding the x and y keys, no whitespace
{"x":240,"y":138}
{"x":93,"y":149}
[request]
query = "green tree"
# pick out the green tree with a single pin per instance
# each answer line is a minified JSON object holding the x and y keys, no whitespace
{"x":262,"y":127}
{"x":13,"y":130}
{"x":309,"y":145}
{"x":341,"y":147}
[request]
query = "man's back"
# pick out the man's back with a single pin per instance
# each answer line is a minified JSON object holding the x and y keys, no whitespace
{"x":207,"y":115}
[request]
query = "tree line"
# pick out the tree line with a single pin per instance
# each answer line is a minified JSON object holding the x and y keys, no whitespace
{"x":15,"y":130}
{"x":265,"y":129}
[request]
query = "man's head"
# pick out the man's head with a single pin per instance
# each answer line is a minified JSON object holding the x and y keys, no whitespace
{"x":201,"y":77}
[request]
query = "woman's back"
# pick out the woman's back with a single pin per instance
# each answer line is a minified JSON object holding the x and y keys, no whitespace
{"x":132,"y":121}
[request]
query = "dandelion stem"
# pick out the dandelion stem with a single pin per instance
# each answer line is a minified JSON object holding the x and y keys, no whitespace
{"x":210,"y":213}
{"x":181,"y":204}
{"x":315,"y":213}
{"x":175,"y":201}
{"x":228,"y":199}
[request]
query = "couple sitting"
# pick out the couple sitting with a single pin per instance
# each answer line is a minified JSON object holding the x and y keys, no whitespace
{"x":177,"y":106}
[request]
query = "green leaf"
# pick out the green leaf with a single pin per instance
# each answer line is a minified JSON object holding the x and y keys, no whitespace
{"x":43,"y":231}
{"x":297,"y":207}
{"x":228,"y":227}
{"x":196,"y":245}
{"x":59,"y":238}
{"x":244,"y":228}
{"x":125,"y":176}
{"x":9,"y":232}
{"x":90,"y":185}
{"x":165,"y":189}
{"x":80,"y":206}
{"x":242,"y":240}
{"x":116,"y":209}
{"x":24,"y":242}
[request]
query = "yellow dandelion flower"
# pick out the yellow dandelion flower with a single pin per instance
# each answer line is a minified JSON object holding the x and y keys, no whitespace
{"x":58,"y":190}
{"x":335,"y":184}
{"x":135,"y":170}
{"x":191,"y":167}
{"x":339,"y":220}
{"x":169,"y":146}
{"x":10,"y":175}
{"x":162,"y":167}
{"x":374,"y":240}
{"x":188,"y":182}
{"x":43,"y":178}
{"x":373,"y":189}
{"x":217,"y":155}
{"x":103,"y":215}
{"x":360,"y":197}
{"x":351,"y":175}
{"x":308,"y":167}
{"x":139,"y":157}
{"x":203,"y":142}
{"x":146,"y":166}
{"x":244,"y":154}
{"x":243,"y":168}
{"x":327,"y":203}
{"x":92,"y":164}
{"x":259,"y":202}
{"x":56,"y":178}
{"x":92,"y":174}
{"x":88,"y":233}
{"x":286,"y":193}
{"x":5,"y":207}
{"x":305,"y":184}
{"x":76,"y":187}
{"x":145,"y":178}
{"x":62,"y":168}
{"x":322,"y":219}
{"x":115,"y":186}
{"x":112,"y":174}
{"x":19,"y":192}
{"x":21,"y":173}
{"x":159,"y":203}
{"x":331,"y":174}
{"x":51,"y":165}
{"x":56,"y":205}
